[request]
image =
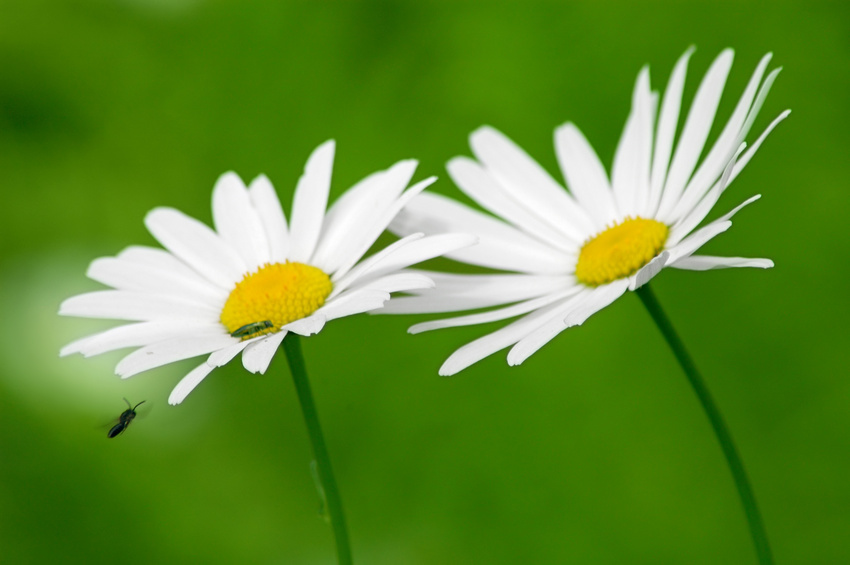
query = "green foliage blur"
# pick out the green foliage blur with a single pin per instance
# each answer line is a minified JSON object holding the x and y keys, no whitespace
{"x":593,"y":451}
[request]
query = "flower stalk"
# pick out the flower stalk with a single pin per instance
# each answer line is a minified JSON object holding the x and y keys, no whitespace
{"x":736,"y":466}
{"x":292,"y":348}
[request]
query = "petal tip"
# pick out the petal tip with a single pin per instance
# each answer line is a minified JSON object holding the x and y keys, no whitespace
{"x":229,"y":177}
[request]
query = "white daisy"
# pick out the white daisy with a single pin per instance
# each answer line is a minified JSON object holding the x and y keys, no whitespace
{"x":244,"y":285}
{"x":573,"y":253}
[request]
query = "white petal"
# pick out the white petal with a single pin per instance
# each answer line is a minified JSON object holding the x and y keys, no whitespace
{"x":586,"y":178}
{"x":630,"y":173}
{"x":499,"y":246}
{"x":690,"y":244}
{"x":598,"y":298}
{"x":693,"y":217}
{"x":468,"y":292}
{"x":648,"y":271}
{"x":485,"y":188}
{"x":310,"y":325}
{"x":405,"y":281}
{"x":728,"y":215}
{"x":340,"y":282}
{"x":545,"y":331}
{"x":413,"y":252}
{"x":258,"y":355}
{"x":695,"y":132}
{"x":760,"y":97}
{"x":484,"y":346}
{"x":667,"y":123}
{"x":528,"y":182}
{"x":138,"y":335}
{"x":347,"y":304}
{"x":124,"y":305}
{"x":169,"y":351}
{"x":237,"y":222}
{"x":310,"y":201}
{"x":724,"y":148}
{"x":749,"y":153}
{"x":374,"y":229}
{"x":353,"y":302}
{"x":225,"y":355}
{"x":572,"y":313}
{"x":494,"y":315}
{"x":706,"y":262}
{"x":188,"y":383}
{"x":348,"y":220}
{"x":197,"y":245}
{"x":267,"y":205}
{"x":160,"y":260}
{"x":136,"y":277}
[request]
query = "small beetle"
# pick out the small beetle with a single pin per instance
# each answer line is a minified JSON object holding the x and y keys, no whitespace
{"x":249,"y":330}
{"x":124,"y":419}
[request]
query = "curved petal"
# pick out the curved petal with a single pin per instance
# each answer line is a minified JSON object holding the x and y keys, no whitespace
{"x":527,"y":182}
{"x":574,"y":312}
{"x":495,"y":315}
{"x":226,"y":354}
{"x":258,"y":355}
{"x":237,"y":222}
{"x":347,"y":304}
{"x":348,"y":221}
{"x":485,"y":188}
{"x":310,"y":201}
{"x":404,"y":256}
{"x":341,"y":282}
{"x":127,"y":275}
{"x":268,"y":208}
{"x":169,"y":351}
{"x":354,"y":301}
{"x":707,"y":262}
{"x":404,"y":281}
{"x":487,"y":345}
{"x":648,"y":271}
{"x":686,"y":224}
{"x":469,"y":292}
{"x":499,"y":246}
{"x":749,"y":153}
{"x":630,"y":172}
{"x":586,"y":178}
{"x":188,"y":383}
{"x":161,"y":260}
{"x":197,"y":245}
{"x":308,"y":326}
{"x":724,"y":148}
{"x":695,"y":131}
{"x":138,"y":335}
{"x":137,"y":306}
{"x":690,"y":244}
{"x":667,"y":122}
{"x":371,"y":232}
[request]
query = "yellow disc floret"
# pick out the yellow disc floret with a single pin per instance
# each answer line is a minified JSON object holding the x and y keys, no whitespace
{"x":277,"y":294}
{"x":620,"y":251}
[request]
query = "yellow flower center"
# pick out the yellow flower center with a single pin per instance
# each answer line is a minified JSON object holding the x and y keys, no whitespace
{"x":278,"y":293}
{"x":620,"y":251}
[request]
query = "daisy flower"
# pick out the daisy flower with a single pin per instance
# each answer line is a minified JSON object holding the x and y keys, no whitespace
{"x":241,"y":287}
{"x":572,"y":252}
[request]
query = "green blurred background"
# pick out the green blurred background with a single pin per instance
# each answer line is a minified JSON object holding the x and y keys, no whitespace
{"x":593,"y":451}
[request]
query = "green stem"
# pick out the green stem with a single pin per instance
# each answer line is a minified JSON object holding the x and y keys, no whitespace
{"x":292,"y":347}
{"x":745,"y":491}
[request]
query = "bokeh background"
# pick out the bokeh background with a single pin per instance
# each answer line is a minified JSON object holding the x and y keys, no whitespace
{"x":593,"y":451}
